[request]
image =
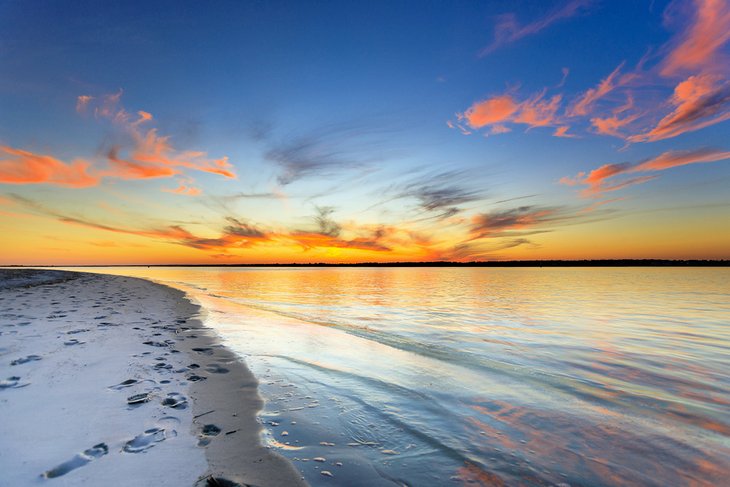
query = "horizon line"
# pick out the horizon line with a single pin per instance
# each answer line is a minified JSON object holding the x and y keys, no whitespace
{"x":504,"y":263}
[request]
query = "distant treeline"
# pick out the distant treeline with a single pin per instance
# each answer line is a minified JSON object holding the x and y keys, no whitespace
{"x":506,"y":263}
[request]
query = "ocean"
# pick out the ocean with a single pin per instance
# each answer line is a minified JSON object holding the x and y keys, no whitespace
{"x":481,"y":376}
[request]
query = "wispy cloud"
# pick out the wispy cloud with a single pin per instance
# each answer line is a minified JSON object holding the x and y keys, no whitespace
{"x":148,"y":151}
{"x":325,"y":151}
{"x":584,"y":104}
{"x":496,"y":223}
{"x":441,"y":194}
{"x":698,"y":102}
{"x":692,"y":66}
{"x":508,"y":30}
{"x":698,"y":47}
{"x":600,"y":180}
{"x":495,"y":112}
{"x":143,"y":155}
{"x":24,"y":167}
{"x":184,"y":188}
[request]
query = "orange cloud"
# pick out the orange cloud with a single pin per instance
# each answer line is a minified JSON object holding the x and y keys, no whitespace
{"x":150,"y":154}
{"x":591,"y":96}
{"x":495,"y":224}
{"x":562,"y":131}
{"x":491,"y":111}
{"x":499,"y":110}
{"x":699,"y":101}
{"x":126,"y":169}
{"x":22,"y":167}
{"x":145,"y":154}
{"x":698,"y":47}
{"x":681,"y":158}
{"x":598,"y":204}
{"x":507,"y":29}
{"x":82,"y":102}
{"x":185,"y":189}
{"x":611,"y":125}
{"x":537,"y":112}
{"x":597,"y":183}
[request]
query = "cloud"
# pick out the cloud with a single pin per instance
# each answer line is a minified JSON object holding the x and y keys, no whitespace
{"x":126,"y":169}
{"x":440,"y":193}
{"x":472,"y":251}
{"x":82,"y":102}
{"x":699,"y":101}
{"x":496,"y":223}
{"x":697,"y":48}
{"x":323,"y":152}
{"x":326,"y":225}
{"x":185,"y":189}
{"x":148,"y":154}
{"x":153,"y":149}
{"x":235,"y":234}
{"x":671,"y":159}
{"x":508,"y":30}
{"x":143,"y":155}
{"x":23,"y":167}
{"x":562,"y":131}
{"x":611,"y":125}
{"x":491,"y":111}
{"x":597,"y":180}
{"x":594,"y":206}
{"x":496,"y":111}
{"x":242,"y":229}
{"x":585,"y":103}
{"x":328,"y":234}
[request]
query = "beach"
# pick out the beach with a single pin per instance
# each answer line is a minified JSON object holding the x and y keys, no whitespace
{"x":363,"y":377}
{"x":112,"y":380}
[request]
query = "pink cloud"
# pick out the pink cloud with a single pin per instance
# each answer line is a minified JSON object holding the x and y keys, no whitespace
{"x":508,"y":30}
{"x":585,"y":103}
{"x":699,"y":101}
{"x":497,"y":111}
{"x":185,"y":190}
{"x":23,"y":167}
{"x":697,"y":48}
{"x":597,"y":180}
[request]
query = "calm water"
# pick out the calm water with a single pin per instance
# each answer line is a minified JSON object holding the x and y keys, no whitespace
{"x":439,"y":376}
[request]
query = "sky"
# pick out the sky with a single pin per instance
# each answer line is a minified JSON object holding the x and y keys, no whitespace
{"x":280,"y":132}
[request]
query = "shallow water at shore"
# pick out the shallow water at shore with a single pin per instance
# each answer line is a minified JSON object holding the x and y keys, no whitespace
{"x":430,"y":376}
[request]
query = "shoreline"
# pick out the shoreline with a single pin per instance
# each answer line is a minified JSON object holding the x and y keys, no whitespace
{"x":75,"y":350}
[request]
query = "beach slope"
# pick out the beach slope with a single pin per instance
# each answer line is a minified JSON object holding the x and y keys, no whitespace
{"x":109,"y":380}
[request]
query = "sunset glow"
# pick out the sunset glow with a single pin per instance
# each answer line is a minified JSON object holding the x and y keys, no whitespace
{"x":363,"y":132}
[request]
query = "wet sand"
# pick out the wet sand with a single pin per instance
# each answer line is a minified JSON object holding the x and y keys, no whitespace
{"x":110,"y":380}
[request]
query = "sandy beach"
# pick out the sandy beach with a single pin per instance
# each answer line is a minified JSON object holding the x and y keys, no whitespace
{"x":109,"y":380}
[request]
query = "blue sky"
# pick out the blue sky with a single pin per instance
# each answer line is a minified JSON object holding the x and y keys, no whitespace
{"x":418,"y":118}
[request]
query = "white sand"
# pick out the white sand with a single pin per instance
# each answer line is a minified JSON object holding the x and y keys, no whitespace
{"x":62,"y":404}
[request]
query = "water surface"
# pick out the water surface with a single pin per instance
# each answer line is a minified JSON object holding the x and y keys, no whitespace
{"x":514,"y":376}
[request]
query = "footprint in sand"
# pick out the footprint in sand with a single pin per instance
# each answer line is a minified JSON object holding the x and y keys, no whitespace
{"x":216,"y":369}
{"x":175,"y":400}
{"x":25,"y":360}
{"x":12,"y":383}
{"x":79,"y":460}
{"x":148,"y":439}
{"x":207,"y":433}
{"x":203,"y":350}
{"x":138,"y":398}
{"x":218,"y":482}
{"x":123,"y":384}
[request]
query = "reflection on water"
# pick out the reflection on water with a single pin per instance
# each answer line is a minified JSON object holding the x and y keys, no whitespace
{"x":428,"y":376}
